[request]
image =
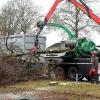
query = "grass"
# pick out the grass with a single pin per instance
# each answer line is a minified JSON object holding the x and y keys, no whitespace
{"x":80,"y":88}
{"x":22,"y":86}
{"x":72,"y":88}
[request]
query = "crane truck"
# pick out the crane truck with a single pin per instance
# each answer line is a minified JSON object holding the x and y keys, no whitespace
{"x":78,"y":62}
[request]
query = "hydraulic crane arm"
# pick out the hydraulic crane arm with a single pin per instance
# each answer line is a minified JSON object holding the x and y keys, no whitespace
{"x":82,"y":6}
{"x":52,"y":9}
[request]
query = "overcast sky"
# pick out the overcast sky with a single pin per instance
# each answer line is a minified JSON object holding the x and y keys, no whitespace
{"x":46,"y":4}
{"x":38,"y":2}
{"x":2,"y":2}
{"x":43,"y":4}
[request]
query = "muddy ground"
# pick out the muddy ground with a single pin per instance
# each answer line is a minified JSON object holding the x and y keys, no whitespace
{"x":48,"y":92}
{"x":46,"y":95}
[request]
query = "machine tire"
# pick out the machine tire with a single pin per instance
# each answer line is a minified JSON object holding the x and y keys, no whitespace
{"x":71,"y":74}
{"x":52,"y":75}
{"x":60,"y":74}
{"x":57,"y":74}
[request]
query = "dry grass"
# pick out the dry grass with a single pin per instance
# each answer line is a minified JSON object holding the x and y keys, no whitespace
{"x":74,"y":90}
{"x":22,"y":86}
{"x":80,"y":88}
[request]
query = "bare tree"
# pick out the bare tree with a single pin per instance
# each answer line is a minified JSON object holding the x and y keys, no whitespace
{"x":17,"y":16}
{"x":73,"y":18}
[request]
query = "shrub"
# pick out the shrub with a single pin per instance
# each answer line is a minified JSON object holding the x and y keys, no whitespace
{"x":12,"y":69}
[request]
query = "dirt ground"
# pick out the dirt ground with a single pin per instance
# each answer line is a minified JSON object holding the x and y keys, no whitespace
{"x":46,"y":95}
{"x":39,"y":91}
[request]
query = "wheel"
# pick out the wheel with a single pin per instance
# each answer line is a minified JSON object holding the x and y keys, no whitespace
{"x":57,"y":74}
{"x":52,"y":75}
{"x":51,"y":72}
{"x":60,"y":74}
{"x":72,"y":71}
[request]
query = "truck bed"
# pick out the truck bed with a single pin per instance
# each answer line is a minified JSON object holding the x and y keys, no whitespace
{"x":21,"y":43}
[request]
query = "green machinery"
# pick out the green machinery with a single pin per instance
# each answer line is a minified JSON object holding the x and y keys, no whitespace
{"x":81,"y":45}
